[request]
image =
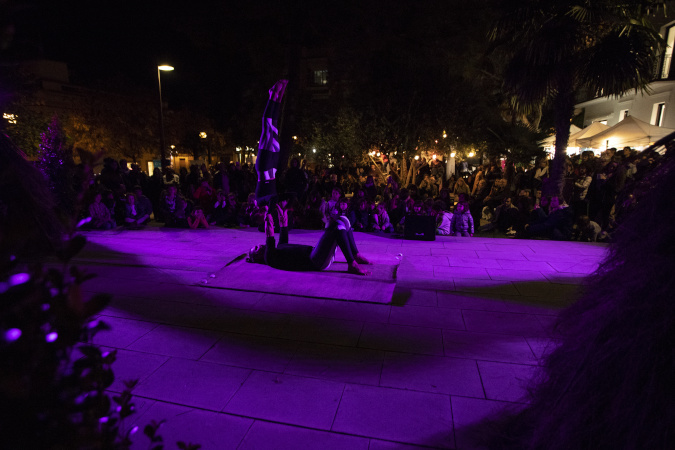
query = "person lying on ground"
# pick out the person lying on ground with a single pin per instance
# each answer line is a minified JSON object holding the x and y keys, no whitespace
{"x":298,"y":257}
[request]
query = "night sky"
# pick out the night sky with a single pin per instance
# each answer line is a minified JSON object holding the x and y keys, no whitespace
{"x":217,"y":48}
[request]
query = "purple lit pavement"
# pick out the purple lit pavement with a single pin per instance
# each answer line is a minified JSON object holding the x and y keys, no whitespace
{"x":234,"y":369}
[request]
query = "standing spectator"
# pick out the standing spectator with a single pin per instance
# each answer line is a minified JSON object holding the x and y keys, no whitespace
{"x":540,"y":173}
{"x":582,"y":182}
{"x":297,"y":180}
{"x":221,"y":179}
{"x":460,"y":188}
{"x":154,"y":191}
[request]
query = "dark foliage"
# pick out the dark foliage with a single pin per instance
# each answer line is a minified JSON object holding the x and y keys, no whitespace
{"x":609,"y":385}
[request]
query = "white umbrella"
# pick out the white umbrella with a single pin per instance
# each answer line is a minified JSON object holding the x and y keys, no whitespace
{"x":630,"y":132}
{"x":550,"y":141}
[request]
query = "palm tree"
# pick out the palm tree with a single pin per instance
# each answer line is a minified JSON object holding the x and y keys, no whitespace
{"x":559,"y":48}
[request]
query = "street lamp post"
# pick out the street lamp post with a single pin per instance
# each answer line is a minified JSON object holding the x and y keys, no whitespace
{"x":162,"y":150}
{"x":203,"y":135}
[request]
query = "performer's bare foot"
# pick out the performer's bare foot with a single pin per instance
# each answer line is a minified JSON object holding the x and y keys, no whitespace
{"x":356,"y":270}
{"x":277,"y":91}
{"x":359,"y":258}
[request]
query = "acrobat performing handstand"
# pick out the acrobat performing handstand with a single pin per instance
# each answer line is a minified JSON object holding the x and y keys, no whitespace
{"x":268,"y":147}
{"x":297,"y":257}
{"x":287,"y":256}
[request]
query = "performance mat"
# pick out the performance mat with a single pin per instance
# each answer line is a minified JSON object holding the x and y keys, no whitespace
{"x":334,"y":283}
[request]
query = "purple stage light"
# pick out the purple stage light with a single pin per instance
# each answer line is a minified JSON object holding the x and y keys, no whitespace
{"x":12,"y":334}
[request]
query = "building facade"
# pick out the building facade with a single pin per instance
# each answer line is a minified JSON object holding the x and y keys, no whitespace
{"x":656,"y":107}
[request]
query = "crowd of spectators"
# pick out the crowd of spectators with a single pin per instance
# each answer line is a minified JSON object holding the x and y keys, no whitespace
{"x":496,"y":197}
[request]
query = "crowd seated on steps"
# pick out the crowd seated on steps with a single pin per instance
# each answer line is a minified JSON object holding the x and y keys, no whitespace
{"x":503,"y":199}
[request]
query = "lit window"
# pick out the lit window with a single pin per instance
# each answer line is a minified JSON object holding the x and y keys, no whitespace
{"x":320,"y":77}
{"x":658,"y":113}
{"x":668,"y":54}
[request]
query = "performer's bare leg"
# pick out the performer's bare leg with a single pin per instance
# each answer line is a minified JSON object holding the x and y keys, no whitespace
{"x":268,"y":148}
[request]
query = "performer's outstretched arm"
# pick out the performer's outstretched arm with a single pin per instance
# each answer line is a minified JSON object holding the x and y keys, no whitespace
{"x":268,"y":148}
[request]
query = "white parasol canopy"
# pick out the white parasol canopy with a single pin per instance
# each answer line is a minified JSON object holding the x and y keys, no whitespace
{"x":576,"y":133}
{"x":630,"y":132}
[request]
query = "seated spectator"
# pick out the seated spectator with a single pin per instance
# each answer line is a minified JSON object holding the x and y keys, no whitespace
{"x":197,"y":219}
{"x":444,"y":196}
{"x":525,"y":206}
{"x":143,"y":203}
{"x":344,"y":210}
{"x":134,"y":217}
{"x":251,"y":215}
{"x":218,"y":214}
{"x":370,"y":188}
{"x":329,"y":208}
{"x":418,"y":208}
{"x":588,"y":231}
{"x":443,"y":219}
{"x":557,"y":225}
{"x":462,"y":221}
{"x":173,"y":208}
{"x":101,"y":219}
{"x":178,"y":218}
{"x":363,"y":220}
{"x":313,"y":216}
{"x":494,"y":198}
{"x":506,"y":216}
{"x":203,"y":195}
{"x":232,"y":214}
{"x":381,"y":220}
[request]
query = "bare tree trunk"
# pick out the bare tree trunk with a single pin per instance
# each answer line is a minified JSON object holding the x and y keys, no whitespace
{"x":564,"y":110}
{"x":408,"y":179}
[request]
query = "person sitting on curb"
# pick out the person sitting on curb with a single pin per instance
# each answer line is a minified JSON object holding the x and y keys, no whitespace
{"x":297,"y":257}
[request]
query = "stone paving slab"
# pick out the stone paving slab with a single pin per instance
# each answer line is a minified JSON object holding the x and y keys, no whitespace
{"x":468,"y":321}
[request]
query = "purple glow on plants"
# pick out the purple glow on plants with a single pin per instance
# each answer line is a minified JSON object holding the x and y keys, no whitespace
{"x":92,"y":324}
{"x":3,"y":287}
{"x":45,"y":306}
{"x":133,"y":430}
{"x":51,"y":337}
{"x":84,"y":221}
{"x":12,"y":334}
{"x":103,"y":420}
{"x":18,"y":278}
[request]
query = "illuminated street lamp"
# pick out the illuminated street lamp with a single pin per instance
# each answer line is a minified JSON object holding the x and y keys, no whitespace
{"x":208,"y":147}
{"x":162,"y":154}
